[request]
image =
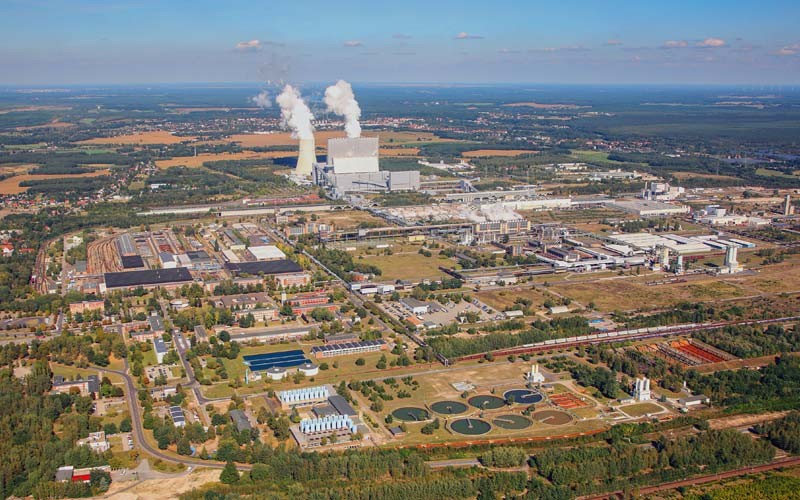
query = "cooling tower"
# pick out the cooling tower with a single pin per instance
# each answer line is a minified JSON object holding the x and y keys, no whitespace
{"x":306,"y":158}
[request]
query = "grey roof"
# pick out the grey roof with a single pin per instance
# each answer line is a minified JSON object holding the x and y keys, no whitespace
{"x":324,"y":410}
{"x":160,"y":346}
{"x":156,"y":323}
{"x":177,"y":414}
{"x":64,"y":473}
{"x":240,"y":420}
{"x":94,"y":383}
{"x":341,"y":406}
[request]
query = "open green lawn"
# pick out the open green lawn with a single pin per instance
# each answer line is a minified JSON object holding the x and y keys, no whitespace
{"x":410,"y":266}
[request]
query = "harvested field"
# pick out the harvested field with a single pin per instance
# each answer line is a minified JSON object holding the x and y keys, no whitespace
{"x":154,"y":137}
{"x":483,"y":153}
{"x":197,"y":161}
{"x":11,"y":185}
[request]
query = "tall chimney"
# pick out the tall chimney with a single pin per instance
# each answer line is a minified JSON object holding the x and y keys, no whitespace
{"x":306,"y":157}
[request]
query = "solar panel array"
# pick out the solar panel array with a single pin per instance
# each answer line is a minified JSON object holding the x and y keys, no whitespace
{"x":177,"y":414}
{"x":348,"y":345}
{"x":282,"y":359}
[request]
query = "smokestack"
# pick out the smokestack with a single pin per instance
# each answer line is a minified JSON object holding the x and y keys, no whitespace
{"x":340,"y":99}
{"x":306,"y":158}
{"x":296,"y":116}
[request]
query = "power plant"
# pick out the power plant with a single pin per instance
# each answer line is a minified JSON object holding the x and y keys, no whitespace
{"x":352,"y":166}
{"x":306,"y":158}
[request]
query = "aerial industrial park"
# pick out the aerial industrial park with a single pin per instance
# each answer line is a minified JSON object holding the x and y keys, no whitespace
{"x":312,"y":288}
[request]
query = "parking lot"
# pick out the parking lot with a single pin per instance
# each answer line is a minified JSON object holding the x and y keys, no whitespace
{"x":444,"y":314}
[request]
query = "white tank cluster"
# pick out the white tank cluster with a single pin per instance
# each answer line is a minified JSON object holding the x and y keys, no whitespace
{"x":327,"y":423}
{"x":294,"y":396}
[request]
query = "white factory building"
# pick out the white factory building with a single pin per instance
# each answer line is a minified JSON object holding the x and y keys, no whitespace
{"x":352,"y":166}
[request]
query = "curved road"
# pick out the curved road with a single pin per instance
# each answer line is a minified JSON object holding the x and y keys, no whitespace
{"x":138,"y":429}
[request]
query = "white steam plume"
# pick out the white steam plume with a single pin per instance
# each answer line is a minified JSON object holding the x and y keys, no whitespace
{"x":340,"y":99}
{"x":262,"y":100}
{"x":295,"y":113}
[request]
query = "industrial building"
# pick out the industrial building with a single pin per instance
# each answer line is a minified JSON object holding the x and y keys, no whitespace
{"x":331,"y":350}
{"x":650,"y":208}
{"x":147,"y":279}
{"x":353,"y":167}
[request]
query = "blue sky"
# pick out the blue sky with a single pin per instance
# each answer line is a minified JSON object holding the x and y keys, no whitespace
{"x":567,"y":41}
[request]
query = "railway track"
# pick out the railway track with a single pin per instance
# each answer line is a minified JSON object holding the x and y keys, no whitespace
{"x":710,"y":478}
{"x":620,"y":336}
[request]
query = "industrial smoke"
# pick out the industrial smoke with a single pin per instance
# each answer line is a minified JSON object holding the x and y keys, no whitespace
{"x":297,"y":117}
{"x":262,"y":100}
{"x":340,"y":100}
{"x":295,"y":114}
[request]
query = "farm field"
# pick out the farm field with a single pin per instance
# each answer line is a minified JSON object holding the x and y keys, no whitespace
{"x":154,"y":137}
{"x":11,"y":184}
{"x":197,"y":161}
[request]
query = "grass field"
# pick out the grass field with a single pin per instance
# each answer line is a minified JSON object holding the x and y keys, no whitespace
{"x":504,"y":297}
{"x":197,"y":161}
{"x":411,"y":266}
{"x":154,"y":137}
{"x":348,"y":218}
{"x":632,"y":293}
{"x":642,"y":409}
{"x":11,"y":184}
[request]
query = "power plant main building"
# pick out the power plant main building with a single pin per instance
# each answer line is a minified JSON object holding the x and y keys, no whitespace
{"x":352,"y":166}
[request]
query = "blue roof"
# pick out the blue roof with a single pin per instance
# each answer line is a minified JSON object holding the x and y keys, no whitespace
{"x":281,"y":359}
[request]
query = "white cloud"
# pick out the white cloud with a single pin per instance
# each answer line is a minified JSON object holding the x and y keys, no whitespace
{"x":401,"y":36}
{"x":613,"y":42}
{"x":788,"y":50}
{"x":353,"y":43}
{"x":467,"y":36}
{"x":675,"y":44}
{"x":508,"y":51}
{"x":250,"y":46}
{"x":711,"y":43}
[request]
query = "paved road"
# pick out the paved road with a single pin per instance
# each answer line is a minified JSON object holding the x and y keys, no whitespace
{"x":138,"y":430}
{"x":456,"y":462}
